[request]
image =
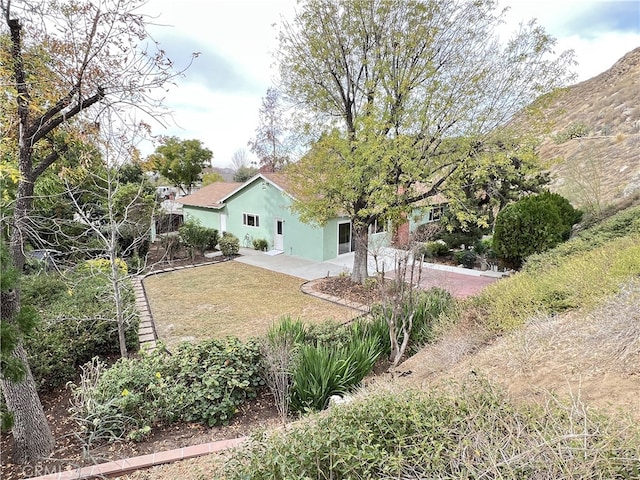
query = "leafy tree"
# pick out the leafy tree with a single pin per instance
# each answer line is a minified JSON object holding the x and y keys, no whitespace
{"x":123,"y":231}
{"x":211,"y":177}
{"x":244,"y":173}
{"x":271,"y":143}
{"x":11,"y":333}
{"x":532,"y":225}
{"x":399,"y":95}
{"x":63,"y":65}
{"x":181,"y":161}
{"x":503,"y":172}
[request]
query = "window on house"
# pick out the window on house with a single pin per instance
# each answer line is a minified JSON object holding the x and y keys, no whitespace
{"x":378,"y":226}
{"x":250,"y":220}
{"x":435,"y":213}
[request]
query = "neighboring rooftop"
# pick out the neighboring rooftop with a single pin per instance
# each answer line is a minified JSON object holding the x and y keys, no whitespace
{"x":211,"y":195}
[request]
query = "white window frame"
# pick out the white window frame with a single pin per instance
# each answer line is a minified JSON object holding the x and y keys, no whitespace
{"x":373,"y":228}
{"x":256,"y":220}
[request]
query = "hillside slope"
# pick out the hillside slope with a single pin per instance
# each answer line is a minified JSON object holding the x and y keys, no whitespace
{"x":602,"y":163}
{"x":593,"y":357}
{"x":568,"y":323}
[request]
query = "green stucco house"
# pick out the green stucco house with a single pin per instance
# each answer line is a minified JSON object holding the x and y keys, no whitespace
{"x":261,"y":208}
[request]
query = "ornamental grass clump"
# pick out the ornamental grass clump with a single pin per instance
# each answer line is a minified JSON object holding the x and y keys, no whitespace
{"x":304,"y":365}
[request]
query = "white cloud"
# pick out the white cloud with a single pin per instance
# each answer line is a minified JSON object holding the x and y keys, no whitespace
{"x":218,"y":100}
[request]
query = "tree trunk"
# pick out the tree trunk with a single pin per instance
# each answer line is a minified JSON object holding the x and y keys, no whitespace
{"x":360,"y":268}
{"x":31,"y":432}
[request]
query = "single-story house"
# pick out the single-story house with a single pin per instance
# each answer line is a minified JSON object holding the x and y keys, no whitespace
{"x":260,"y":208}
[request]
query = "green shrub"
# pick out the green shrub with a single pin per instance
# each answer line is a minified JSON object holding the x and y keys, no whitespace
{"x":327,"y":358}
{"x":101,"y":266}
{"x":429,"y":307}
{"x":532,"y":225}
{"x":467,"y":258}
{"x":459,"y":237}
{"x":434,"y":249}
{"x":624,"y":223}
{"x":469,"y":431}
{"x":202,"y":383}
{"x":260,"y":244}
{"x":229,"y":244}
{"x":287,"y":330}
{"x":77,"y":323}
{"x":574,"y":130}
{"x":323,"y":371}
{"x":328,"y":333}
{"x":373,"y":327}
{"x":197,"y":237}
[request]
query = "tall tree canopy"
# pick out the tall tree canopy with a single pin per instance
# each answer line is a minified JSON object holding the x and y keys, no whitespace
{"x":63,"y":65}
{"x":400,"y":94}
{"x":180,"y":161}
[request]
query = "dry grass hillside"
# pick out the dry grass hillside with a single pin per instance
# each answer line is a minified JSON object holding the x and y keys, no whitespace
{"x":592,"y":357}
{"x":600,"y":165}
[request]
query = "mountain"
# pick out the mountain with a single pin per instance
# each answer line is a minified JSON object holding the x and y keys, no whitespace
{"x":593,"y":147}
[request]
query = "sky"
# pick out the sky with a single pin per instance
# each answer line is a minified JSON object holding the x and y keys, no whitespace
{"x":218,"y":99}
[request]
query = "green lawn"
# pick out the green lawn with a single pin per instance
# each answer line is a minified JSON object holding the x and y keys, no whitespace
{"x":230,"y":299}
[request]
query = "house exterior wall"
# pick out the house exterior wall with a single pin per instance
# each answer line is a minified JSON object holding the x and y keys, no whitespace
{"x":208,"y":217}
{"x":422,"y":216}
{"x":266,"y":201}
{"x":263,"y":199}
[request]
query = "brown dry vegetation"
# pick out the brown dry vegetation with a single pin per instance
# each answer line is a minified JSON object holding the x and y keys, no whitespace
{"x":604,"y":165}
{"x":230,"y":299}
{"x":591,"y":355}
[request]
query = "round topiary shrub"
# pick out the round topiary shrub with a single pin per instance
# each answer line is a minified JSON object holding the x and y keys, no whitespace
{"x":532,"y":225}
{"x":229,"y":244}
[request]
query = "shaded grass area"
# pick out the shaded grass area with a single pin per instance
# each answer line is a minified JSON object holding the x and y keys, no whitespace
{"x":230,"y":299}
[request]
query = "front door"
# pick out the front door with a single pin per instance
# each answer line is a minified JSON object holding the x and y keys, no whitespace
{"x":345,"y":244}
{"x":223,"y":223}
{"x":278,"y":237}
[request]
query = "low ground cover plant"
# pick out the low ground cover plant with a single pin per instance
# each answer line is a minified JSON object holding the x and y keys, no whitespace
{"x":468,"y":431}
